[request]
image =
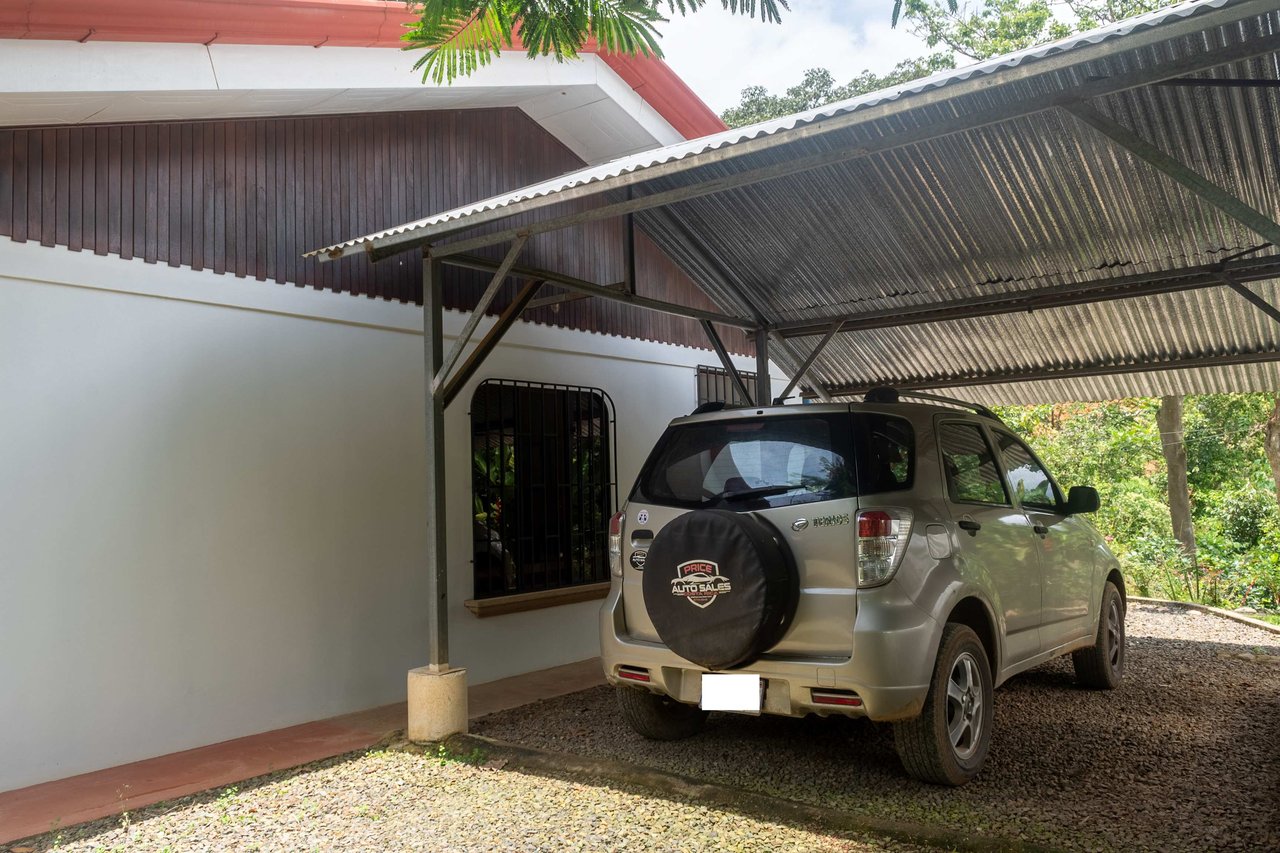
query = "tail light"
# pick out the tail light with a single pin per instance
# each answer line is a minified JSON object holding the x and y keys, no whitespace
{"x":615,"y":543}
{"x":882,"y":540}
{"x":846,"y":698}
{"x":634,"y":673}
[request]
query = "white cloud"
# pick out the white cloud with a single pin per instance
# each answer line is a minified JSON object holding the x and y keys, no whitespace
{"x":719,"y":54}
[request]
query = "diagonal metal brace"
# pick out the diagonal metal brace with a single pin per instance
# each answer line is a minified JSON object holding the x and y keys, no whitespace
{"x":490,"y":341}
{"x":1254,"y":299}
{"x":790,"y":357}
{"x":726,"y":362}
{"x":486,"y":299}
{"x":1173,"y":168}
{"x":803,"y":370}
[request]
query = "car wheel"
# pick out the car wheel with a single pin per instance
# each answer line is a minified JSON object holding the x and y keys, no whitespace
{"x":1101,"y":666}
{"x":659,"y":717}
{"x":947,"y":744}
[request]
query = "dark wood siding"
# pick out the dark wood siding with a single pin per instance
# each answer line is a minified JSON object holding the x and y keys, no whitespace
{"x":248,"y":197}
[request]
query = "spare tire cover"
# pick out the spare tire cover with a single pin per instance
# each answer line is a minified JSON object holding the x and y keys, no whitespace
{"x":720,"y":587}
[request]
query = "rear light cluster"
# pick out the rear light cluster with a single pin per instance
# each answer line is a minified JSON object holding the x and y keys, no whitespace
{"x":882,"y":540}
{"x":634,"y":673}
{"x":615,"y":543}
{"x":843,"y":698}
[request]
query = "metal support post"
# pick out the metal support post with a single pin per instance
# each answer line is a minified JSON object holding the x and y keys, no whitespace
{"x":437,"y":553}
{"x":629,"y":246}
{"x":726,"y":362}
{"x":763,"y":396}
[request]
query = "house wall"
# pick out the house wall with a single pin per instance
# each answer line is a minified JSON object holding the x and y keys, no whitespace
{"x":248,"y":197}
{"x":211,"y":518}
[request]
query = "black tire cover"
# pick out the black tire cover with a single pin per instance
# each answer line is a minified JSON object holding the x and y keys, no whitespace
{"x":720,"y":587}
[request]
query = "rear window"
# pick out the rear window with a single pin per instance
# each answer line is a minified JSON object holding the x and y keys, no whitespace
{"x":777,"y":461}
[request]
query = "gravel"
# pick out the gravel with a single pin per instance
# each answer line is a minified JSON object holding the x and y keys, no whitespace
{"x":412,"y":799}
{"x":1184,"y":756}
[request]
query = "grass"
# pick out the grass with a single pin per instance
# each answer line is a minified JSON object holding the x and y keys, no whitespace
{"x":1273,"y":618}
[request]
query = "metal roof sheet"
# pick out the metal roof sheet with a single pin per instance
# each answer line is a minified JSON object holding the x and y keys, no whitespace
{"x":970,"y":185}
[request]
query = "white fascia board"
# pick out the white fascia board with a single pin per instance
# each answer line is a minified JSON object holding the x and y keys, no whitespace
{"x":582,"y":102}
{"x":613,"y":121}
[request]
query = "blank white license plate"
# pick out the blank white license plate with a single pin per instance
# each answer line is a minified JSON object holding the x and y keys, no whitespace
{"x":731,"y":692}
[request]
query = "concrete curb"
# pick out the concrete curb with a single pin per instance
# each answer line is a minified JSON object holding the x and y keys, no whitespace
{"x":671,"y":785}
{"x":1216,"y":611}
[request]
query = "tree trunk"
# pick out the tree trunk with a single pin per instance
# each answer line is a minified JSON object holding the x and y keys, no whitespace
{"x":1169,"y":421}
{"x":1272,"y":444}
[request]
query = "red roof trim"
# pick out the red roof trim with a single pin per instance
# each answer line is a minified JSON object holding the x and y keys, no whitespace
{"x":346,"y":23}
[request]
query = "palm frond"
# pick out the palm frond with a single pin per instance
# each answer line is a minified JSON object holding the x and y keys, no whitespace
{"x":770,"y":10}
{"x":459,"y":36}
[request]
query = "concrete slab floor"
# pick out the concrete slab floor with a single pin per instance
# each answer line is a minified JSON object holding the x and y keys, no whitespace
{"x":89,"y":796}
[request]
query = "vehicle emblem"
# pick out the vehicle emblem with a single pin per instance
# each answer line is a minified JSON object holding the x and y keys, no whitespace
{"x":642,"y":517}
{"x":700,"y":582}
{"x":799,"y":524}
{"x":638,"y":558}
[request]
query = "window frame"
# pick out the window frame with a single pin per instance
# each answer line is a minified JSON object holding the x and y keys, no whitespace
{"x":996,"y":460}
{"x":599,"y":575}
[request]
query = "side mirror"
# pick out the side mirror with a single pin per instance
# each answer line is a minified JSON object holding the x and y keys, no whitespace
{"x":1082,"y":499}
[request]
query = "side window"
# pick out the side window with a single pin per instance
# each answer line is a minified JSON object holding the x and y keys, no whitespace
{"x":1028,"y":479}
{"x":886,"y":453}
{"x":970,"y":466}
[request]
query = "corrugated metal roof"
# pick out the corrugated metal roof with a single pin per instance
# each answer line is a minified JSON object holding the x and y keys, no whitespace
{"x":969,"y":185}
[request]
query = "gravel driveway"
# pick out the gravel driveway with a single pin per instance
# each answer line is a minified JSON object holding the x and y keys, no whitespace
{"x":415,"y":800}
{"x":1185,"y":756}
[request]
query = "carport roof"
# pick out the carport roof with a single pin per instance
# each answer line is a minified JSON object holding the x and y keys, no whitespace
{"x":1073,"y":221}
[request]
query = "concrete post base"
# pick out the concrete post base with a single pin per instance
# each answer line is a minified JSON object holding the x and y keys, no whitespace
{"x":437,"y":703}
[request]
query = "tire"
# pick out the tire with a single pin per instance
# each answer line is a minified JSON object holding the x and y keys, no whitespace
{"x":927,"y":750}
{"x":720,"y":587}
{"x":659,"y":717}
{"x":1101,"y":666}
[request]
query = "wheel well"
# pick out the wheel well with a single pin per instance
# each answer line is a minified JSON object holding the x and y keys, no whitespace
{"x":1118,"y":579}
{"x":971,"y":612}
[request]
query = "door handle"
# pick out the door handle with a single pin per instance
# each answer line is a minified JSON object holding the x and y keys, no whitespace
{"x":970,"y":525}
{"x":1041,"y":530}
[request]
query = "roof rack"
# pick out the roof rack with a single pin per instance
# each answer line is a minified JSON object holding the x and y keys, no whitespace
{"x":891,"y":395}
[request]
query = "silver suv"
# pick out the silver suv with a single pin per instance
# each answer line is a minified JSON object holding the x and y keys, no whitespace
{"x":887,"y":559}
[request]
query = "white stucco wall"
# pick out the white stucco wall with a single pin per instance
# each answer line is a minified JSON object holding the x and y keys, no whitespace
{"x":211,"y":505}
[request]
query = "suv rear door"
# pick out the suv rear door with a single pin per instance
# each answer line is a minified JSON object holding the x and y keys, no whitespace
{"x":997,"y":549}
{"x":725,"y":463}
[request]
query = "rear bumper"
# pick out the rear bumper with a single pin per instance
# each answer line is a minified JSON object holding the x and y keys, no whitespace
{"x":895,"y":644}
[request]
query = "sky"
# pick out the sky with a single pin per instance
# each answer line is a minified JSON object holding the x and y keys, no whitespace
{"x":719,"y":54}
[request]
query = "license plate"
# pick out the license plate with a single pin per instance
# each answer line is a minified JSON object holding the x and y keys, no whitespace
{"x":731,"y":692}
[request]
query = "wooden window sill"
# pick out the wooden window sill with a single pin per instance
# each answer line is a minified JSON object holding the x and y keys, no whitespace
{"x":485,"y":607}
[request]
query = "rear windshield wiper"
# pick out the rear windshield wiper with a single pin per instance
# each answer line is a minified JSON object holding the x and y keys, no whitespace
{"x":760,"y":492}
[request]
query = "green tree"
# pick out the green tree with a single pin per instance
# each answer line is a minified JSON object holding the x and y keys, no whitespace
{"x":980,"y":30}
{"x":974,"y":31}
{"x":819,"y":88}
{"x":459,"y":36}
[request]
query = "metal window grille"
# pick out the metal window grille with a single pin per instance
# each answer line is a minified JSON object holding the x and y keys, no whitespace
{"x":715,"y":386}
{"x":543,"y":487}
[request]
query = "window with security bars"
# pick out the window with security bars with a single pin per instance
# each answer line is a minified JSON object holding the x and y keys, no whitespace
{"x":716,"y":386}
{"x":542,"y":486}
